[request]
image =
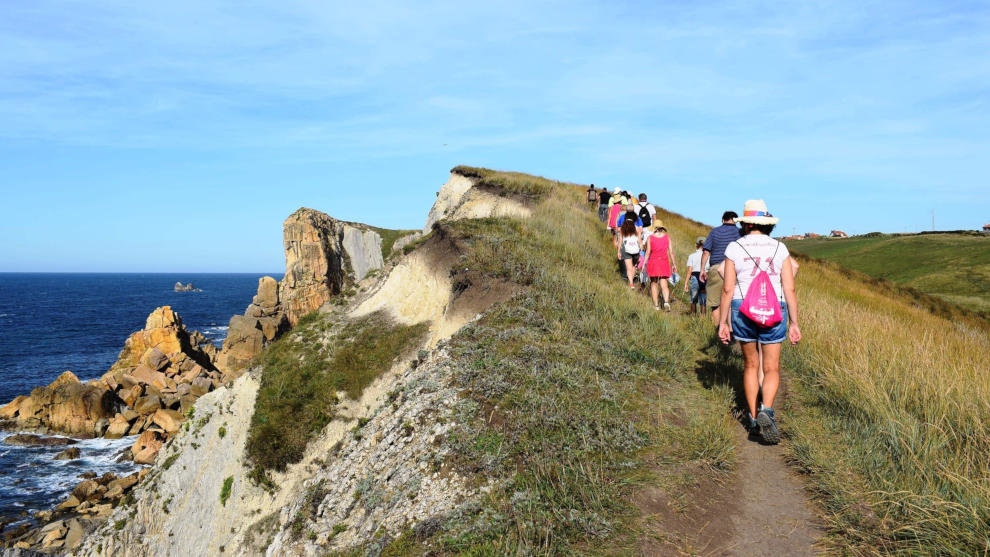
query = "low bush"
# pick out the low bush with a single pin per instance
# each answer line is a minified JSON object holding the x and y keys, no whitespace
{"x":303,"y":373}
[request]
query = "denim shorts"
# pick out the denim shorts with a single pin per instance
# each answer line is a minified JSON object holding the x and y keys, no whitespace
{"x":745,"y":330}
{"x":696,"y":291}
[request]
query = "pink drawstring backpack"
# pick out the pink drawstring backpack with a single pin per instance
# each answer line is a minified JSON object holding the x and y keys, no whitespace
{"x":760,"y":303}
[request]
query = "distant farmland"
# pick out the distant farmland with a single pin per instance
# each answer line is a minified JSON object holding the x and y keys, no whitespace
{"x":952,"y":266}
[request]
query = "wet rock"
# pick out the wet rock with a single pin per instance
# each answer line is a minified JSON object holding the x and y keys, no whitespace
{"x":71,"y":453}
{"x":29,"y":440}
{"x":118,"y":428}
{"x":125,"y":456}
{"x":65,"y":405}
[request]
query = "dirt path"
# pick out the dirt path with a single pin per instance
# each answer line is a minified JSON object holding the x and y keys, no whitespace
{"x":772,"y":514}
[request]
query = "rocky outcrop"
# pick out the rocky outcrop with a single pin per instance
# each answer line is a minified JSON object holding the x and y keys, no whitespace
{"x":159,"y":374}
{"x":248,"y":334}
{"x":375,"y":470}
{"x":66,"y":405}
{"x":188,"y":287}
{"x":64,"y":527}
{"x":28,"y":440}
{"x":163,"y":344}
{"x":314,"y":262}
{"x":460,"y":199}
{"x":322,"y":256}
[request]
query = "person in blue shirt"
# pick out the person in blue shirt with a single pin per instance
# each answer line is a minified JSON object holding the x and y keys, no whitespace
{"x":713,"y":255}
{"x":631,"y":213}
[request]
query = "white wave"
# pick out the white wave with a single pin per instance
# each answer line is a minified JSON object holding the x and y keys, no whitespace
{"x":35,"y":471}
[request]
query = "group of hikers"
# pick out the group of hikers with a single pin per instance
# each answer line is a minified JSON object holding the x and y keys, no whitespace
{"x":739,"y":271}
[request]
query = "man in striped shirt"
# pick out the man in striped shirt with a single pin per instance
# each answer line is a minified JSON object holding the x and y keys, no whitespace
{"x":711,"y":259}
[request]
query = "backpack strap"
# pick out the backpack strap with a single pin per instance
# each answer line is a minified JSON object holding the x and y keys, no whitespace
{"x":772,"y":257}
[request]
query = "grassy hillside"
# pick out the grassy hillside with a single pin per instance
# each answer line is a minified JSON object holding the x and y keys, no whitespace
{"x":578,"y":396}
{"x":885,"y":410}
{"x":954,"y":267}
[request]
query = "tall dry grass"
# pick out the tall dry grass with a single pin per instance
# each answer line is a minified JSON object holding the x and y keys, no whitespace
{"x":889,"y":413}
{"x":903,"y":397}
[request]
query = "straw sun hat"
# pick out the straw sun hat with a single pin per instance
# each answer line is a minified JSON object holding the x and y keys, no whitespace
{"x":755,"y":212}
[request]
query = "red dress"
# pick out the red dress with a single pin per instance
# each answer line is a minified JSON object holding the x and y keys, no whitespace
{"x":658,"y":265}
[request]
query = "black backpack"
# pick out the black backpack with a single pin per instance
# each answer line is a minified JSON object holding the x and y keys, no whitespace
{"x":644,"y":215}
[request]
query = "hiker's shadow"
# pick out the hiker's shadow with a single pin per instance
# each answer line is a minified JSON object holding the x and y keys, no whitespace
{"x":723,"y":368}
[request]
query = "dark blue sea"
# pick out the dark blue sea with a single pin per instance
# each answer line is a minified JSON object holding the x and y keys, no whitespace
{"x":51,"y":322}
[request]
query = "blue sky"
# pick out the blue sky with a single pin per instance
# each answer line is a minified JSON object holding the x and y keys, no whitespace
{"x":177,"y":136}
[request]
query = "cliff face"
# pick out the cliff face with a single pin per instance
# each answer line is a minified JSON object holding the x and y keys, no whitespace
{"x":459,"y":199}
{"x":348,"y":489}
{"x":322,"y":256}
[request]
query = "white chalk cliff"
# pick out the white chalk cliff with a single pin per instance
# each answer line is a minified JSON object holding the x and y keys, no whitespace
{"x":346,"y":489}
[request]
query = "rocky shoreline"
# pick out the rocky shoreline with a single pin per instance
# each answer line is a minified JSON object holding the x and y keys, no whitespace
{"x":163,"y":369}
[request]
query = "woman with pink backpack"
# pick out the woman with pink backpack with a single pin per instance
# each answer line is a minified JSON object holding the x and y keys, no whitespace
{"x":759,"y":287}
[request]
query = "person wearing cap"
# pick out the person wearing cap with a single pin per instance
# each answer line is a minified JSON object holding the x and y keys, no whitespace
{"x":756,"y":251}
{"x":697,"y":288}
{"x":712,"y":257}
{"x":659,"y":265}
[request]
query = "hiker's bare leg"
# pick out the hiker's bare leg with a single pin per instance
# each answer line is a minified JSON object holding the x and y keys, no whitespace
{"x":629,"y":270}
{"x":751,"y":384}
{"x":665,"y":289}
{"x":654,"y":291}
{"x":761,"y":363}
{"x":771,"y":370}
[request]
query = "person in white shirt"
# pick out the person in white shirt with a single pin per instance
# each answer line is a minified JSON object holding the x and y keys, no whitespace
{"x":646,"y":211}
{"x":745,"y":258}
{"x":693,"y":284}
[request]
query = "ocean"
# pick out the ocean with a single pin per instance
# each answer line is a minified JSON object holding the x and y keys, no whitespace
{"x":53,"y":322}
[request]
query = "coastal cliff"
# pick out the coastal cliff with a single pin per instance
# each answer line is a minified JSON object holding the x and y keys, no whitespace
{"x":166,"y":377}
{"x":216,"y":502}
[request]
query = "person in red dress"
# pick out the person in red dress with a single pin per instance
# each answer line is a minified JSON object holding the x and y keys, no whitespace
{"x":659,"y":263}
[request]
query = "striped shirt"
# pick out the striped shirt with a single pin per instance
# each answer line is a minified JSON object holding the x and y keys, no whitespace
{"x":718,"y":239}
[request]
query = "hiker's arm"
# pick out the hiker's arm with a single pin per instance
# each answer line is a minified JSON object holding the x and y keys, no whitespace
{"x":646,"y":255}
{"x":687,"y":277}
{"x":794,"y":265}
{"x":790,"y":295}
{"x":704,"y":259}
{"x":673,"y":258}
{"x":724,"y":334}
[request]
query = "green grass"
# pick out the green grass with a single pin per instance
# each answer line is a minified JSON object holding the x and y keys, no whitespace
{"x":887,"y":412}
{"x":228,"y":484}
{"x":508,"y":183}
{"x":578,"y":392}
{"x":953,"y":267}
{"x":389,"y":237}
{"x":303,"y":373}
